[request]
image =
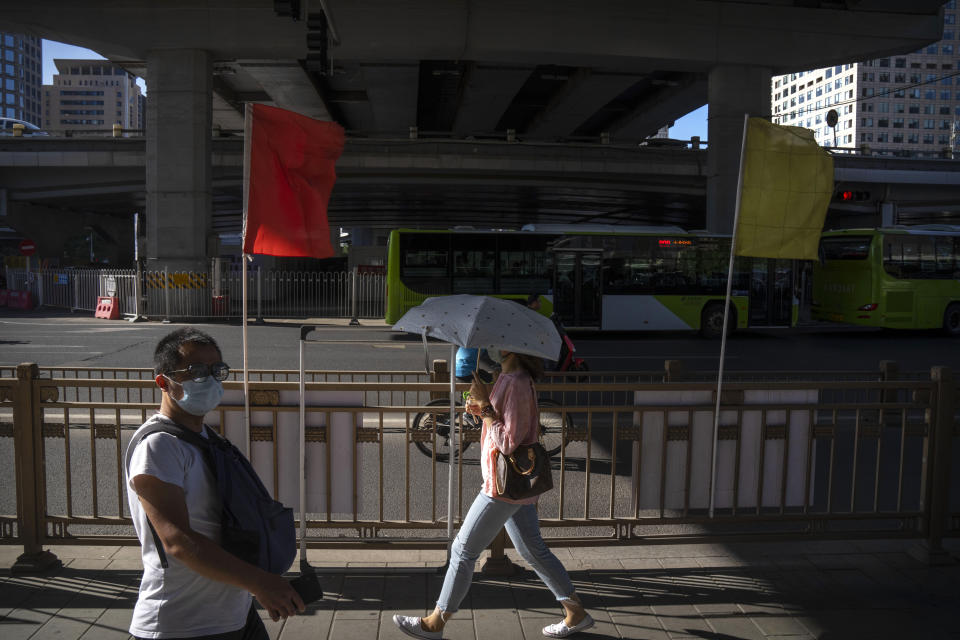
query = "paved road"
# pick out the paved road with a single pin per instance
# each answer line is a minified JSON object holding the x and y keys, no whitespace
{"x":72,"y":340}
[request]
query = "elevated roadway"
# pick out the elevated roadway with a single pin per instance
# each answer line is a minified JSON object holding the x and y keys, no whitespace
{"x":545,"y":71}
{"x":422,"y":183}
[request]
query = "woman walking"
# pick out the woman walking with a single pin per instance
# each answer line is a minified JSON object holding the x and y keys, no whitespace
{"x":510,"y":418}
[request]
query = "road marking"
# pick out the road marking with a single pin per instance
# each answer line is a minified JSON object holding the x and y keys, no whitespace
{"x":660,"y":358}
{"x":47,"y":346}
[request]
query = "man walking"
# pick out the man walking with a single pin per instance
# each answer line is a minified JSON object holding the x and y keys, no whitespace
{"x":204,"y":591}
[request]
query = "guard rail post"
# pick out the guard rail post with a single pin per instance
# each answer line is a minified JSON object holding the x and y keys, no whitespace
{"x":440,"y":374}
{"x":354,"y":322}
{"x":938,"y":452}
{"x":497,"y":563}
{"x":28,"y":452}
{"x":889,"y":371}
{"x":673,"y":370}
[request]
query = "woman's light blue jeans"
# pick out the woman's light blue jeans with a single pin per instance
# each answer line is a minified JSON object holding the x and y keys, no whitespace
{"x":480,"y":526}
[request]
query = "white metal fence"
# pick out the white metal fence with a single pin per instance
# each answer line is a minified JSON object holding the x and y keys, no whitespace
{"x":189,"y":295}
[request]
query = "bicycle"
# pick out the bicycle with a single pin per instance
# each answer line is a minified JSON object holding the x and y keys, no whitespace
{"x":429,"y":428}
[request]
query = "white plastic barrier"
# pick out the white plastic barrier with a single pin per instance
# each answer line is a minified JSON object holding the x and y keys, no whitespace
{"x":341,"y":434}
{"x":764,"y":472}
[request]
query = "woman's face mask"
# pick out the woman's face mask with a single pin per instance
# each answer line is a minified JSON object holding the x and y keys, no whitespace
{"x":200,"y":398}
{"x":497,"y":356}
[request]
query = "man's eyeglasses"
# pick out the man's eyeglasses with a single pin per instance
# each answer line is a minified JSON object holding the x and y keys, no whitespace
{"x":198,"y":371}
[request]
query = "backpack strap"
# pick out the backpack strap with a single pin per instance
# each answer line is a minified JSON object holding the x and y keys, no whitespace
{"x":187,"y":435}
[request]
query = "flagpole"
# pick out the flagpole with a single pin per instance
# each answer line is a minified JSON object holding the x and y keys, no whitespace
{"x":246,"y":373}
{"x":247,"y":143}
{"x":726,"y":313}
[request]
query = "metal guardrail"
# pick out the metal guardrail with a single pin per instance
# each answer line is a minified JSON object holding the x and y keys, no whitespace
{"x":789,"y":464}
{"x":165,"y":295}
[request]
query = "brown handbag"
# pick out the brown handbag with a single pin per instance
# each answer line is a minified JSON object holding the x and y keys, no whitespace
{"x":525,"y":473}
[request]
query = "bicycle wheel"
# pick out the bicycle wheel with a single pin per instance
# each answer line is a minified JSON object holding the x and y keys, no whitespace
{"x":431,"y":431}
{"x":551,"y":425}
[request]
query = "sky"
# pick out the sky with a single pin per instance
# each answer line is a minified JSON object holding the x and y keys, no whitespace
{"x":692,"y":124}
{"x":52,"y":50}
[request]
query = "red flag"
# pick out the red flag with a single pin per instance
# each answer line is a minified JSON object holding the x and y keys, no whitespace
{"x":290,"y":162}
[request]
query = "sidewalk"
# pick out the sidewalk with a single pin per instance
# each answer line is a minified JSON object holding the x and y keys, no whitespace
{"x":751,"y":591}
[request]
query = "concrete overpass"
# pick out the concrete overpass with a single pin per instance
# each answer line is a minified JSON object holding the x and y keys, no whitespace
{"x":56,"y":187}
{"x":552,"y":71}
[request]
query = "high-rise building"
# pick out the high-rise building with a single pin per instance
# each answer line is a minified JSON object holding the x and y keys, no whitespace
{"x":902,"y":105}
{"x":93,"y":95}
{"x":21,"y":58}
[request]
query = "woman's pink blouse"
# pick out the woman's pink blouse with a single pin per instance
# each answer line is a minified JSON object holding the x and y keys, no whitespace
{"x":515,"y":400}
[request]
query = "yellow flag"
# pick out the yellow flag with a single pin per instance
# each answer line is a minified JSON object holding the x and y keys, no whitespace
{"x":787,"y":186}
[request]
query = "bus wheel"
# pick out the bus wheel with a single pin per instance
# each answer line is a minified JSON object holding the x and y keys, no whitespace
{"x":711,"y":320}
{"x":951,"y":319}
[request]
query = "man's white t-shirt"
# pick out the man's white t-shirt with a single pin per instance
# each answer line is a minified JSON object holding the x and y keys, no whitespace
{"x":177,"y":602}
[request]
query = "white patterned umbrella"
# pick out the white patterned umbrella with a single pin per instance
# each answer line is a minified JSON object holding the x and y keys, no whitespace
{"x":478,"y":322}
{"x":485,"y":323}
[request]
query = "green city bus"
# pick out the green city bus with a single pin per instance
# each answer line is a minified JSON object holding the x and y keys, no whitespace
{"x":603,"y":277}
{"x":897,"y":277}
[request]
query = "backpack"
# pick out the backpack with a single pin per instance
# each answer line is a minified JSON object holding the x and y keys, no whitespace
{"x":253,"y":526}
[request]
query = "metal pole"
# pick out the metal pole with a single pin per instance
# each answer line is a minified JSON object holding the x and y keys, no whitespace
{"x":726,"y":313}
{"x":246,"y":376}
{"x":453,"y":447}
{"x":76,"y":288}
{"x":303,"y":450}
{"x":138,"y":292}
{"x":259,"y":294}
{"x":166,"y":294}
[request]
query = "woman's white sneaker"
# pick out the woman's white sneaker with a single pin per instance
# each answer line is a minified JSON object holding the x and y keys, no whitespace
{"x":411,"y":626}
{"x":561,"y":630}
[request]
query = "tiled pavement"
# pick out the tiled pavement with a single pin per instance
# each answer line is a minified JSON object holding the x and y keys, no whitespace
{"x":751,"y":591}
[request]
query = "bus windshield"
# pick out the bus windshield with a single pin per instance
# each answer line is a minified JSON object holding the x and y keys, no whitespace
{"x":846,"y":248}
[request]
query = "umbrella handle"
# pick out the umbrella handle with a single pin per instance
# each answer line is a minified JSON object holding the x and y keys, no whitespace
{"x":426,"y":356}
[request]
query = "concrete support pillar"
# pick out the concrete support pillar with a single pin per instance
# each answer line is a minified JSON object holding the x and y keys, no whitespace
{"x":732,"y":91}
{"x":178,"y":216}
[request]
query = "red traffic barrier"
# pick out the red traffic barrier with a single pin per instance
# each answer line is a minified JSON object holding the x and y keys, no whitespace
{"x":20,"y":300}
{"x":3,"y":297}
{"x":221,"y":305}
{"x":107,"y":308}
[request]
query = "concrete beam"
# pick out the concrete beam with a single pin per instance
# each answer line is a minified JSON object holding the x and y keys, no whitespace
{"x":488,"y":91}
{"x":392,"y":91}
{"x":579,"y":100}
{"x":288,"y":86}
{"x":683,"y":35}
{"x":227,"y":29}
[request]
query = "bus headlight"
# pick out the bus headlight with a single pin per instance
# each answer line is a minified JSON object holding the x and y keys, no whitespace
{"x":869,"y":307}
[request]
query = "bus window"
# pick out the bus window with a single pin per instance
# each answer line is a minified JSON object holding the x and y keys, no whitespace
{"x":928,"y":263}
{"x":525,"y":265}
{"x":846,"y":248}
{"x":473,"y":263}
{"x":946,"y":258}
{"x":424,"y":263}
{"x":910,"y":257}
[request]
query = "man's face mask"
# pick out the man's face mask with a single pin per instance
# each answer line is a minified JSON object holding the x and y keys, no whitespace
{"x":200,"y":398}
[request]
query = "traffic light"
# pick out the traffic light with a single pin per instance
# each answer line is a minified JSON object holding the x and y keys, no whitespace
{"x":849,"y":195}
